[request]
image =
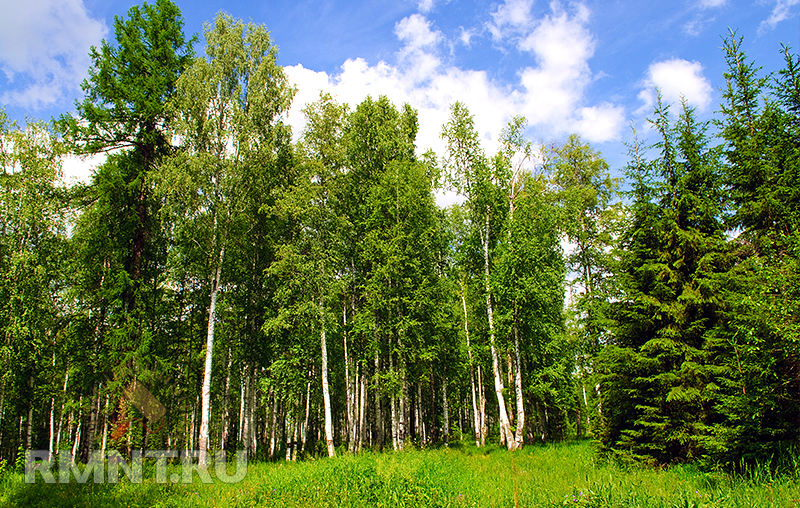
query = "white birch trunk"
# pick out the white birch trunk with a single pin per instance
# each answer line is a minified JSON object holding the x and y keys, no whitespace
{"x":205,"y":408}
{"x":519,"y":437}
{"x":105,"y":428}
{"x":273,"y":441}
{"x":78,"y":430}
{"x":223,"y":438}
{"x":348,"y":386}
{"x":61,"y":413}
{"x":404,"y":410}
{"x":353,"y":418}
{"x":476,"y":416}
{"x":304,"y":429}
{"x":52,"y":428}
{"x":362,"y":412}
{"x":422,"y":433}
{"x":393,"y":401}
{"x":326,"y":393}
{"x":287,"y":436}
{"x":242,"y":403}
{"x":505,"y":427}
{"x":482,"y":407}
{"x":250,"y":411}
{"x":379,"y":428}
{"x":446,"y":415}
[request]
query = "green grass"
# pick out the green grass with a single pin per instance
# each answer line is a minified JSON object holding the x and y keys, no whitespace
{"x":557,"y":475}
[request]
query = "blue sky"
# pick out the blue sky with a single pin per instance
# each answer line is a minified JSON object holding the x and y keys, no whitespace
{"x":588,"y":67}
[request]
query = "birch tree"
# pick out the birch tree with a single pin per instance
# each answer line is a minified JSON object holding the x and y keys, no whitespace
{"x":228,"y":111}
{"x":588,"y":197}
{"x":307,"y":263}
{"x":473,"y":176}
{"x":33,"y":222}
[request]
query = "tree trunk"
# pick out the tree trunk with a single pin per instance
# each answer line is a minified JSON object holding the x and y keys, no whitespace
{"x":326,"y":394}
{"x":51,"y":425}
{"x":349,"y":388}
{"x":304,"y":429}
{"x":273,"y":427}
{"x":505,"y":427}
{"x":362,"y":412}
{"x":29,"y":422}
{"x":354,"y":421}
{"x":422,"y":432}
{"x":519,"y":437}
{"x":250,"y":412}
{"x":380,"y":437}
{"x":405,"y":407}
{"x":76,"y":443}
{"x":446,"y":414}
{"x":482,"y":407}
{"x":206,"y":391}
{"x":225,"y":431}
{"x":61,"y":414}
{"x":289,"y":426}
{"x":393,"y":401}
{"x":88,"y":435}
{"x":242,"y":402}
{"x":105,"y":427}
{"x":3,"y":410}
{"x":476,"y":416}
{"x":244,"y":409}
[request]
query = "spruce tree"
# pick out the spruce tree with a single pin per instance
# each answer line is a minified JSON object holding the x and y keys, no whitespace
{"x":657,"y":387}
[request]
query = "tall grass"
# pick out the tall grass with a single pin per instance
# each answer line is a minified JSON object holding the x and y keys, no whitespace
{"x":557,"y":475}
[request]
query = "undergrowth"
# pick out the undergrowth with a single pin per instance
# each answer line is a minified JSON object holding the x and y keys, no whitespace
{"x":463,"y":476}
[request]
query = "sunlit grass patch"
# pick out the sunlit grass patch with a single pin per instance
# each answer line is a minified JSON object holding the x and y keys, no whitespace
{"x":570,"y":474}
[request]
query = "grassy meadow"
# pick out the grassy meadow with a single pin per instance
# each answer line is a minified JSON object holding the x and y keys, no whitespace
{"x":558,"y":475}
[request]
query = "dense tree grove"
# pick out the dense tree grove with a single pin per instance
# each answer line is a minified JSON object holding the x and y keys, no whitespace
{"x":218,"y":286}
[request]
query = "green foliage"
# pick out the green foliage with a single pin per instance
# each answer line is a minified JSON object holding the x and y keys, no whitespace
{"x":118,"y":267}
{"x":657,"y":386}
{"x":131,"y":82}
{"x":680,"y":344}
{"x":755,"y":346}
{"x":34,"y":212}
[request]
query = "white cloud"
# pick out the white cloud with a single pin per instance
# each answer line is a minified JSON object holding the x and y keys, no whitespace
{"x":562,"y":46}
{"x":418,"y":55}
{"x":466,"y":35}
{"x":676,"y":78}
{"x":555,"y":88}
{"x":44,"y":47}
{"x":426,"y":6}
{"x":550,"y":94}
{"x":416,"y":32}
{"x":596,"y":122}
{"x":710,"y":4}
{"x":510,"y":18}
{"x":781,"y":12}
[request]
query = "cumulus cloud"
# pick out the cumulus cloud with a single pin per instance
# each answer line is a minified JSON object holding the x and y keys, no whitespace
{"x":780,"y":12}
{"x":510,"y":18}
{"x":550,"y":94}
{"x":676,"y":78}
{"x":44,"y":48}
{"x":562,"y":46}
{"x":418,"y":55}
{"x":416,"y":32}
{"x":596,"y":122}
